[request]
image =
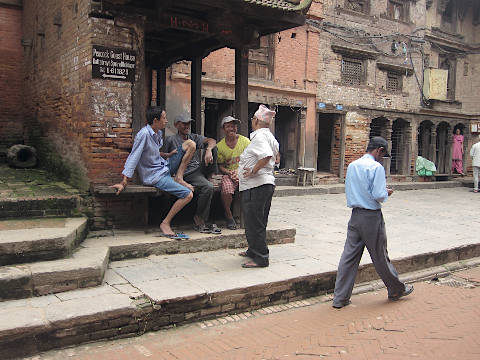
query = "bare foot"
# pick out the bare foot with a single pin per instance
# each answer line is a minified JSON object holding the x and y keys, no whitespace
{"x":184,"y":183}
{"x":166,"y":229}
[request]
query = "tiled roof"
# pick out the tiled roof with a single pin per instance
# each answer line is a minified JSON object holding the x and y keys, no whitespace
{"x":285,"y":5}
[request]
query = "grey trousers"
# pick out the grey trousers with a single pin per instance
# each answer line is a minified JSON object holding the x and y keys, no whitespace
{"x":256,"y":208}
{"x":365,"y":228}
{"x":476,"y":171}
{"x":203,"y":192}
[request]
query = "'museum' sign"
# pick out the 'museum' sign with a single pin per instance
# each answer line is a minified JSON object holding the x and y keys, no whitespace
{"x":113,"y":64}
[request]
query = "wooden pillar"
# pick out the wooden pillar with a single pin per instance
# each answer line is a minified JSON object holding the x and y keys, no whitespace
{"x":241,"y":88}
{"x":196,"y":94}
{"x":161,"y":87}
{"x":433,"y":145}
{"x":388,"y":161}
{"x":149,"y":86}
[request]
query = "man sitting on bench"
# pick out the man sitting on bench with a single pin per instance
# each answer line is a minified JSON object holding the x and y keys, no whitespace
{"x":156,"y":169}
{"x":229,"y":150}
{"x":196,"y":174}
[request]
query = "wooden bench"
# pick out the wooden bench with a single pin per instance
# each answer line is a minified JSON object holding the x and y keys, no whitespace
{"x":151,"y":191}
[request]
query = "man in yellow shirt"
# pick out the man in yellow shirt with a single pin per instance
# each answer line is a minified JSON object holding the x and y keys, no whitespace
{"x":229,"y":150}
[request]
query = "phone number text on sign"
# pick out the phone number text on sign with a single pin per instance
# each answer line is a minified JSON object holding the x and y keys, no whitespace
{"x":113,"y":63}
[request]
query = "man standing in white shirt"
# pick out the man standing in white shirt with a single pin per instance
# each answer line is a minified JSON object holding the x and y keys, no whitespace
{"x":256,"y":185}
{"x":475,"y":154}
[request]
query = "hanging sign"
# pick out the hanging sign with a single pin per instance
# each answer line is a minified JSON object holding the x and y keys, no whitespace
{"x":113,"y":63}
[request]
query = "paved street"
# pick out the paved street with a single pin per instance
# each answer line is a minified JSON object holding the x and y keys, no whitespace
{"x":417,"y":222}
{"x":440,"y":320}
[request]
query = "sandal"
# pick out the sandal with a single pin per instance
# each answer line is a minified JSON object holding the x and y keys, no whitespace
{"x":176,"y":236}
{"x":214,"y":229}
{"x":204,"y":229}
{"x":252,"y":265}
{"x":231,"y":224}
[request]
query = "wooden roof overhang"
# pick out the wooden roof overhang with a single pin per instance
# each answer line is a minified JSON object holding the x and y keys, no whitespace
{"x":188,"y":29}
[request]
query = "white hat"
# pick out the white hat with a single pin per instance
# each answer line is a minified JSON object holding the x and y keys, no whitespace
{"x":228,"y":119}
{"x":264,"y":114}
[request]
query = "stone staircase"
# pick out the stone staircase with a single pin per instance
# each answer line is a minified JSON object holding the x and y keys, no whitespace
{"x":45,"y":250}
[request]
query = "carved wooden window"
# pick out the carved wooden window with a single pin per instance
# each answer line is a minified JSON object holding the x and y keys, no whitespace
{"x":260,"y":61}
{"x":394,"y":82}
{"x":353,"y":71}
{"x":398,"y":10}
{"x":449,"y":64}
{"x":449,"y":16}
{"x":362,"y":6}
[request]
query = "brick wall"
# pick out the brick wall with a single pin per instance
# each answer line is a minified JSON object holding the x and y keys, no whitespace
{"x":11,"y":93}
{"x":82,"y":126}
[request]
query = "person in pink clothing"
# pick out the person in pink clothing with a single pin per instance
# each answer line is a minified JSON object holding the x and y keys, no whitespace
{"x":457,"y":153}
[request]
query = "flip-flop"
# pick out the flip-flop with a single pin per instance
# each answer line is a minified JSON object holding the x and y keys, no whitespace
{"x":252,"y":265}
{"x":231,"y":224}
{"x":176,"y":236}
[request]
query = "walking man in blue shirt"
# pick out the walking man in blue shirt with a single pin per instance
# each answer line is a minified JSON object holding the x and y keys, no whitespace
{"x":366,"y":189}
{"x":156,"y":169}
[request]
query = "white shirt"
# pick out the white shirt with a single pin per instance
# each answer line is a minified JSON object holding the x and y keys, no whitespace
{"x":475,"y":154}
{"x":262,"y":144}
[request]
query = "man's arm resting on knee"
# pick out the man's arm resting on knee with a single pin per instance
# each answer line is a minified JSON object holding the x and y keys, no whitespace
{"x":211,"y":143}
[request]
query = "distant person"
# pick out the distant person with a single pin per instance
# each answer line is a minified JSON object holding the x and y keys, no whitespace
{"x":195,"y":175}
{"x":366,"y":189}
{"x":257,"y":184}
{"x":457,"y":152}
{"x":156,"y":170}
{"x":475,"y":154}
{"x":229,"y":150}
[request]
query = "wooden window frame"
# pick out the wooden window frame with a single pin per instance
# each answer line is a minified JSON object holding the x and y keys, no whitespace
{"x":404,"y":5}
{"x":345,"y":77}
{"x":450,"y":64}
{"x":256,"y":63}
{"x":365,"y":3}
{"x":398,"y":78}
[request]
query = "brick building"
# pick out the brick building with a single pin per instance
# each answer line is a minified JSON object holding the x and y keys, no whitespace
{"x":83,"y":72}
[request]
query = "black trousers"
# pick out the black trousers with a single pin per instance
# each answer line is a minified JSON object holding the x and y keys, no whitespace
{"x":256,"y":207}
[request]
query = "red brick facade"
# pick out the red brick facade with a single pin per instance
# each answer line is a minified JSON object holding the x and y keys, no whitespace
{"x":11,"y":85}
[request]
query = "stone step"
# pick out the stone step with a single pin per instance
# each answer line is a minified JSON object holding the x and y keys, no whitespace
{"x":38,"y":207}
{"x":85,"y":268}
{"x":28,"y":240}
{"x":125,"y":244}
{"x":114,"y":310}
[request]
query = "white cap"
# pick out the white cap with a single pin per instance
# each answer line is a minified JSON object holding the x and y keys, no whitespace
{"x":264,"y":114}
{"x":228,"y":119}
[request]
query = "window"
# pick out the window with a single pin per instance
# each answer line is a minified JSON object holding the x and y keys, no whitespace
{"x":358,"y":5}
{"x":449,"y":64}
{"x":394,"y":82}
{"x":260,"y":61}
{"x":449,"y":16}
{"x":353,"y":71}
{"x":398,"y":10}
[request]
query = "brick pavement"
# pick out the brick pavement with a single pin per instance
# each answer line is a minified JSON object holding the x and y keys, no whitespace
{"x":440,"y":320}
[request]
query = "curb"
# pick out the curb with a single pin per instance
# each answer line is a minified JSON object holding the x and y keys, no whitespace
{"x":115,"y":315}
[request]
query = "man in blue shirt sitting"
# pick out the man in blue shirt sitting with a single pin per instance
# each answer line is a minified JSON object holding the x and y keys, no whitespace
{"x":156,"y":169}
{"x":366,"y":189}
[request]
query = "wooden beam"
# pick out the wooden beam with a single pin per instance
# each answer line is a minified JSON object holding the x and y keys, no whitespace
{"x":241,"y":88}
{"x":196,"y":94}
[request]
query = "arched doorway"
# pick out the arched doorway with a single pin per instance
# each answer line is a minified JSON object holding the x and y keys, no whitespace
{"x":424,"y":140}
{"x":400,"y":145}
{"x":443,"y":161}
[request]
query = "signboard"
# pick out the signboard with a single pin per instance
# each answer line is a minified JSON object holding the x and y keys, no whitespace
{"x":185,"y":23}
{"x":113,"y":63}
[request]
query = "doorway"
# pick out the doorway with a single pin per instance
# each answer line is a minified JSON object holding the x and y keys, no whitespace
{"x":326,"y":124}
{"x":287,"y":134}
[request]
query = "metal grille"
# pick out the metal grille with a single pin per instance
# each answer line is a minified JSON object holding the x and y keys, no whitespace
{"x":352,"y":72}
{"x":394,"y":82}
{"x":456,"y":282}
{"x":357,"y":5}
